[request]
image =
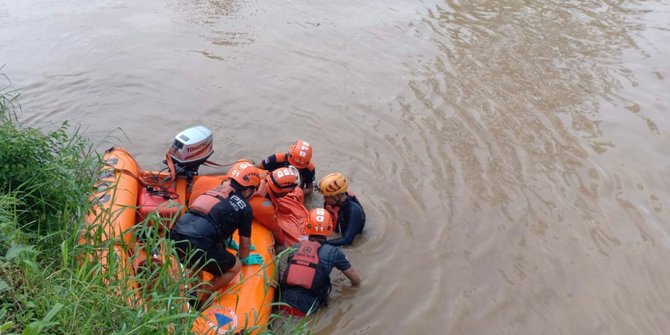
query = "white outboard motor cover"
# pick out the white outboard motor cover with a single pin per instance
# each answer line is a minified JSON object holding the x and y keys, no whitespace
{"x":192,"y":146}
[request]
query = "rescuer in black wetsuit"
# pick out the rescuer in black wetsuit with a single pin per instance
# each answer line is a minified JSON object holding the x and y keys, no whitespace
{"x":212,"y":218}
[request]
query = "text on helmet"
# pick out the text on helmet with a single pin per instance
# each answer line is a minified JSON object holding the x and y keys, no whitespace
{"x":303,"y":149}
{"x":241,"y":167}
{"x":320,"y":216}
{"x":286,"y":172}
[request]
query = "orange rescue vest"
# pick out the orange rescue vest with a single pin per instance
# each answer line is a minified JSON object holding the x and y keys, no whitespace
{"x":204,"y":203}
{"x":302,"y":268}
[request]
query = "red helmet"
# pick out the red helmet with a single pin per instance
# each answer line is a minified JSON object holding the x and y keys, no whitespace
{"x":283,"y":180}
{"x":300,"y":154}
{"x":319,"y":222}
{"x":245,"y":174}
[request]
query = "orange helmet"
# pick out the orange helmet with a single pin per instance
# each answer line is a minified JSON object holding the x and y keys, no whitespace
{"x":245,"y":174}
{"x":333,"y":184}
{"x":319,"y":222}
{"x":300,"y":154}
{"x":283,"y":180}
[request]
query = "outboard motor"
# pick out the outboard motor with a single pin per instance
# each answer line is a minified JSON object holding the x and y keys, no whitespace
{"x":190,"y":149}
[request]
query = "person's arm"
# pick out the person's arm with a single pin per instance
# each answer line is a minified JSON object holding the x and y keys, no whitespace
{"x":263,"y":163}
{"x":272,"y":162}
{"x":308,"y":188}
{"x":352,"y":228}
{"x":244,"y":232}
{"x":342,"y":263}
{"x":245,"y":246}
{"x":307,"y":177}
{"x":353,"y":276}
{"x":261,"y":191}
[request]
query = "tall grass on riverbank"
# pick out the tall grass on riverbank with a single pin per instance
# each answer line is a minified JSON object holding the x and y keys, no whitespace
{"x":48,"y":284}
{"x":46,"y":177}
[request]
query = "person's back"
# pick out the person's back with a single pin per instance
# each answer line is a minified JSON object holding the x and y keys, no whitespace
{"x":213,"y":217}
{"x":218,"y":221}
{"x":299,"y":156}
{"x":305,"y":299}
{"x":306,"y":282}
{"x":280,"y":206}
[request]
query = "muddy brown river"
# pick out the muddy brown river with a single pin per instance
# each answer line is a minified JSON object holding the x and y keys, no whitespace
{"x":513,"y":157}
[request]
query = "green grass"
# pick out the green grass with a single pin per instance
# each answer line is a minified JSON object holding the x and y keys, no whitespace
{"x":48,"y":285}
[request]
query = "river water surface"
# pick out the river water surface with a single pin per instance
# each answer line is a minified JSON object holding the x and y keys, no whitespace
{"x":513,"y":157}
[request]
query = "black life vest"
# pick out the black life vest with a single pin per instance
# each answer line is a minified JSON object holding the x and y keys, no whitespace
{"x":302,"y":268}
{"x":335,"y":212}
{"x":354,"y":199}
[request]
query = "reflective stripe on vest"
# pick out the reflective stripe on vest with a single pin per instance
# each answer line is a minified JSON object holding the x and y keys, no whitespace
{"x":302,"y":268}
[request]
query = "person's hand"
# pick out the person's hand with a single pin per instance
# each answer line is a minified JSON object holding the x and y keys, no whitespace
{"x":230,"y":243}
{"x":252,"y":259}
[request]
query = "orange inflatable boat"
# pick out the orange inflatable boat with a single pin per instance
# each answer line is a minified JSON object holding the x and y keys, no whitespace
{"x":124,"y":198}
